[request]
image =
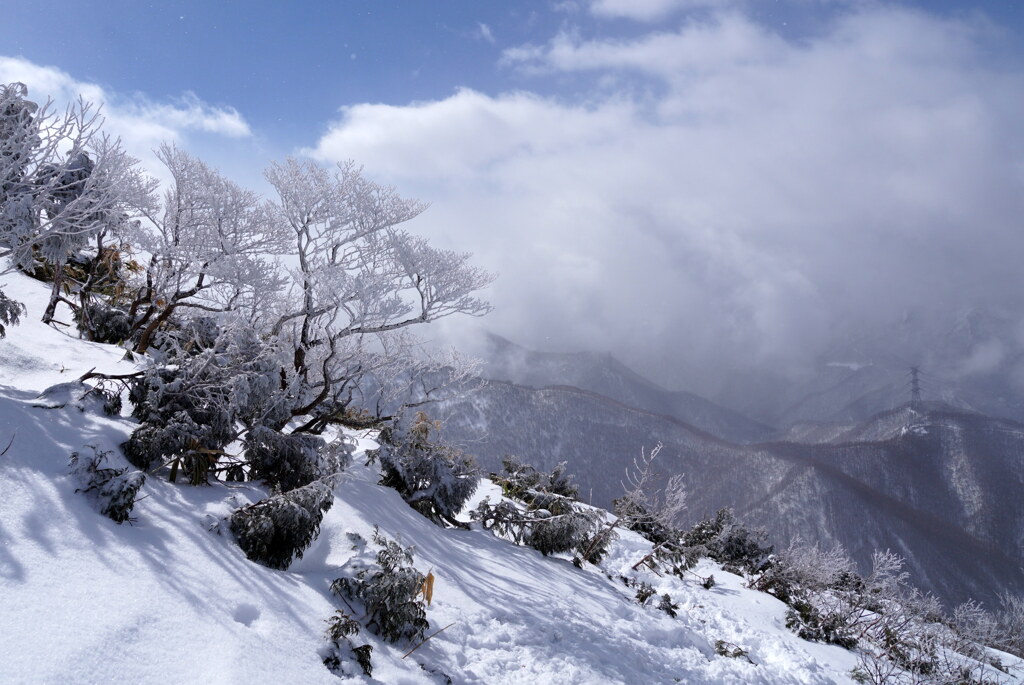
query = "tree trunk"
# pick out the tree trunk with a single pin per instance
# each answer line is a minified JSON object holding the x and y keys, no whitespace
{"x":58,"y":280}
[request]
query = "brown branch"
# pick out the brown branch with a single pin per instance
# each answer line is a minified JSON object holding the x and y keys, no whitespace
{"x":427,"y":638}
{"x":92,"y":373}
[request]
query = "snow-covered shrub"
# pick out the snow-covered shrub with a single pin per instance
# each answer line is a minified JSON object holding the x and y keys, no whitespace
{"x":901,"y":634}
{"x":1010,"y":618}
{"x":284,"y":461}
{"x":644,"y":592}
{"x":637,"y":518}
{"x":391,"y":591}
{"x":729,"y":542}
{"x":964,"y":653}
{"x":561,"y":524}
{"x":908,"y":642}
{"x":107,"y":324}
{"x":810,"y":621}
{"x":668,"y":606}
{"x":732,"y":650}
{"x":276,"y":530}
{"x":434,"y":478}
{"x":518,"y":479}
{"x":550,"y":519}
{"x":190,"y":411}
{"x":113,"y":490}
{"x":549,"y":523}
{"x":10,"y":313}
{"x":341,"y":649}
{"x":803,"y":569}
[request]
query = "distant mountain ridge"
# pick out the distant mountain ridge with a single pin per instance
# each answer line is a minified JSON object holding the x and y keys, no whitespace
{"x":605,"y":375}
{"x":972,"y":360}
{"x":939,"y":486}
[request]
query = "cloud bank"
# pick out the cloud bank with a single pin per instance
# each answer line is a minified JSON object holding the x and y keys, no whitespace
{"x":723,"y":195}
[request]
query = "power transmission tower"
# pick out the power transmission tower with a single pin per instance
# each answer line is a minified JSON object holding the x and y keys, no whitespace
{"x":915,"y":385}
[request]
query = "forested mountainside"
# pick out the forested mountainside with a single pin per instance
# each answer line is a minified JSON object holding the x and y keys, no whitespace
{"x":939,"y":487}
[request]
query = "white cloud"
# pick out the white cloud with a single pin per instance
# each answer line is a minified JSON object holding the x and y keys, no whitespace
{"x":768,"y":196}
{"x":484,"y":33}
{"x":190,"y":113}
{"x":460,"y":136}
{"x":141,"y":123}
{"x":649,"y":10}
{"x":726,"y":41}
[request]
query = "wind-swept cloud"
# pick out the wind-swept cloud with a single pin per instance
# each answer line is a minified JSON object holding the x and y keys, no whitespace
{"x":141,"y":123}
{"x":650,"y":10}
{"x":759,"y":197}
{"x":484,"y":32}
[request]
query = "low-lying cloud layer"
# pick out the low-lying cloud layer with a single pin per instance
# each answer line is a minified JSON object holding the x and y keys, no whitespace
{"x":723,"y":194}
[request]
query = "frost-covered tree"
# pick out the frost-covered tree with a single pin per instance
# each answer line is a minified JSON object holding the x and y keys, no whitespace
{"x":208,"y":247}
{"x":643,"y":508}
{"x":434,"y":478}
{"x":358,"y":279}
{"x":1010,"y":617}
{"x":62,"y":182}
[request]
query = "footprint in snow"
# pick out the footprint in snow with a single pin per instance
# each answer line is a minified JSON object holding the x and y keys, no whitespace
{"x":246,"y":614}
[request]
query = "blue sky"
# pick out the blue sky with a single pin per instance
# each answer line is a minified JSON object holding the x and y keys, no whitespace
{"x":288,"y":67}
{"x":712,"y":180}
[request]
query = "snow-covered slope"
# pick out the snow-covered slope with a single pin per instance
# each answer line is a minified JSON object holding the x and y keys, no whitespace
{"x":170,"y":598}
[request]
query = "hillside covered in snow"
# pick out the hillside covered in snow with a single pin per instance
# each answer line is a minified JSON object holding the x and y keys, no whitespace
{"x":168,"y":596}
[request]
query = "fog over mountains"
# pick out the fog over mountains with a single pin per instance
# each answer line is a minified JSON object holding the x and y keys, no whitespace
{"x":855,"y":463}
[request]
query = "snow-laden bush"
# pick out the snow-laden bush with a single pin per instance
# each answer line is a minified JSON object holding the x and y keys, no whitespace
{"x":636,"y":517}
{"x":901,"y":634}
{"x":730,"y":543}
{"x":114,"y":491}
{"x":547,"y":520}
{"x":288,"y":461}
{"x":518,"y":479}
{"x":106,"y":324}
{"x":341,"y":649}
{"x":560,"y":524}
{"x":909,"y":642}
{"x":805,"y":569}
{"x":190,"y":411}
{"x":276,"y":530}
{"x":10,"y":313}
{"x":434,"y":478}
{"x":391,"y":592}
